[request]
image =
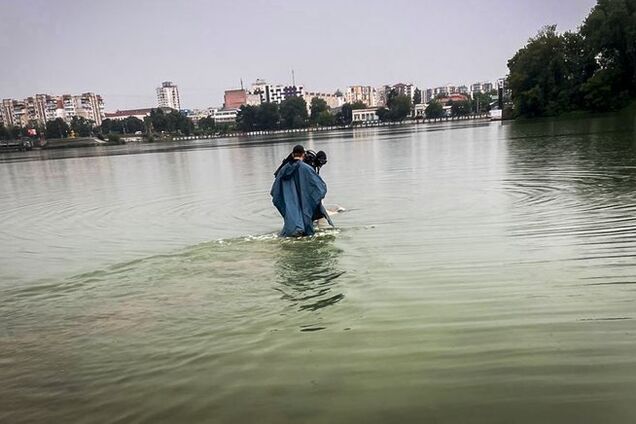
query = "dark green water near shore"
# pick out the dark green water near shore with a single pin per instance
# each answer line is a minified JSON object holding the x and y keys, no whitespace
{"x":482,"y":273}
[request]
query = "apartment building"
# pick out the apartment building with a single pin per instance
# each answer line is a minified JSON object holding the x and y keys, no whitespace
{"x":44,"y":107}
{"x":332,"y":100}
{"x":361,"y":93}
{"x":168,"y":95}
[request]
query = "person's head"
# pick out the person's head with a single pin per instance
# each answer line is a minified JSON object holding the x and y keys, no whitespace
{"x":298,"y":152}
{"x":321,"y":158}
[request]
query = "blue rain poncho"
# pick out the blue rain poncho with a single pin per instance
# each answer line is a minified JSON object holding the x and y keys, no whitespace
{"x":297,"y":193}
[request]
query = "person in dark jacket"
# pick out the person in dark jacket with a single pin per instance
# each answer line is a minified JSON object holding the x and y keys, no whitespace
{"x":297,"y":193}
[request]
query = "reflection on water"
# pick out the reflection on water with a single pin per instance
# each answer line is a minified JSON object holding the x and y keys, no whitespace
{"x":308,"y":271}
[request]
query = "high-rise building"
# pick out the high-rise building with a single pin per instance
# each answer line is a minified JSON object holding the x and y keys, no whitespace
{"x":428,"y":95}
{"x":90,"y":106}
{"x":43,"y":107}
{"x":361,"y":93}
{"x":278,"y":93}
{"x":407,"y":90}
{"x":263,"y":92}
{"x":168,"y":95}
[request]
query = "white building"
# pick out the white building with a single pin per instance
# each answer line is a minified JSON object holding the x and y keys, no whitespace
{"x":332,"y":100}
{"x":278,"y":93}
{"x":168,"y":95}
{"x":262,"y":92}
{"x":364,"y":115}
{"x":43,"y":107}
{"x":123,"y":114}
{"x":407,"y":90}
{"x":225,"y":116}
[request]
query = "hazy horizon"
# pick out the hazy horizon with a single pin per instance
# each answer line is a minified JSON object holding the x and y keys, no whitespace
{"x":124,"y":50}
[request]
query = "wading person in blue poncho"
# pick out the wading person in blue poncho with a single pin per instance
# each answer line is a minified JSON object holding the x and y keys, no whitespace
{"x":297,"y":193}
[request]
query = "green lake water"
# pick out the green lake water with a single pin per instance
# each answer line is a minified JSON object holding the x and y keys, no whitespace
{"x":482,"y":273}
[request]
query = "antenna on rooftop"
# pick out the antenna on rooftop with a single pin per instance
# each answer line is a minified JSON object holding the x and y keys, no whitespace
{"x":241,"y":83}
{"x":293,"y":79}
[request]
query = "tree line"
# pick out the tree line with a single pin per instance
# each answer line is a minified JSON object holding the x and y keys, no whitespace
{"x":592,"y":69}
{"x":292,"y":113}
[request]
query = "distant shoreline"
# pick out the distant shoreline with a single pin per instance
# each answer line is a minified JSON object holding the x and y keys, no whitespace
{"x":373,"y":124}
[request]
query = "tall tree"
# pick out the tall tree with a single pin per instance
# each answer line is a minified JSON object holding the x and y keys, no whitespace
{"x":207,"y":124}
{"x":538,"y":75}
{"x":383,"y":114}
{"x":610,"y":35}
{"x":481,"y":102}
{"x":268,"y":116}
{"x":434,"y":110}
{"x":132,"y":124}
{"x":4,"y":133}
{"x":57,"y":129}
{"x":400,"y":107}
{"x":81,"y":126}
{"x":345,"y":115}
{"x":293,"y":112}
{"x":325,"y":118}
{"x":246,"y":118}
{"x":461,"y":108}
{"x":417,"y":96}
{"x":391,"y":93}
{"x":318,"y":106}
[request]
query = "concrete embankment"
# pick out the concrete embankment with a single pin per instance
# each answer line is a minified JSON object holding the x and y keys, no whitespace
{"x":66,"y":143}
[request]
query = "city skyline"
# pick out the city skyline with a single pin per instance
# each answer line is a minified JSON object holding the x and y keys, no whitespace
{"x":206,"y":55}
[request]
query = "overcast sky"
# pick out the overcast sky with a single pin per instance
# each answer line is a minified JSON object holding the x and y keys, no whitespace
{"x":124,"y":49}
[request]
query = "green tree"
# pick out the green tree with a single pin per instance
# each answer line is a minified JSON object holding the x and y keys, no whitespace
{"x":539,"y":75}
{"x":14,"y":132}
{"x":461,"y":108}
{"x":81,"y":126}
{"x":434,"y":110}
{"x":345,"y":115}
{"x":170,"y":122}
{"x":325,"y":118}
{"x":293,"y":112}
{"x":417,"y":96}
{"x":268,"y":116}
{"x":4,"y":133}
{"x":132,"y":124}
{"x":318,"y":106}
{"x":57,"y":129}
{"x":247,"y":118}
{"x":481,"y":102}
{"x":391,"y":93}
{"x":207,"y":124}
{"x":609,"y":32}
{"x":383,"y":114}
{"x":400,"y":108}
{"x":158,"y":120}
{"x":106,"y":126}
{"x":358,"y":105}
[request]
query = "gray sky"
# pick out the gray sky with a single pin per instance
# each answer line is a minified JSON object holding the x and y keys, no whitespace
{"x":124,"y":49}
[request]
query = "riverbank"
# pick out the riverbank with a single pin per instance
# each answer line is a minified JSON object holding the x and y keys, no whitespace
{"x":370,"y":124}
{"x":65,"y":143}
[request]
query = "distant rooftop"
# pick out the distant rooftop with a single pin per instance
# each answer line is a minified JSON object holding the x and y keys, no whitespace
{"x":128,"y":112}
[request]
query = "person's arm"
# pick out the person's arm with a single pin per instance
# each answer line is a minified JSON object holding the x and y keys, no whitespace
{"x":283,"y":163}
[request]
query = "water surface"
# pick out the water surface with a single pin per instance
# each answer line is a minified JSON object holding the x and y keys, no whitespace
{"x":482,"y":273}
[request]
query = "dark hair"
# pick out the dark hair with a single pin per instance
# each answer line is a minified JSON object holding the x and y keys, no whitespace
{"x":298,"y":150}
